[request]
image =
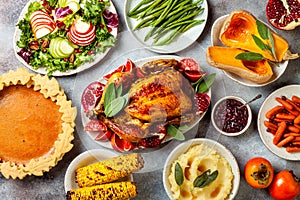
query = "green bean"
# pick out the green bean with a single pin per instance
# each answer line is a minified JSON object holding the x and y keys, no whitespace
{"x":148,"y":19}
{"x":165,"y":13}
{"x":189,"y":16}
{"x":182,"y":4}
{"x":153,"y":5}
{"x":159,"y":8}
{"x":170,"y":38}
{"x":174,"y":17}
{"x":184,"y":22}
{"x":138,"y":6}
{"x":192,"y":24}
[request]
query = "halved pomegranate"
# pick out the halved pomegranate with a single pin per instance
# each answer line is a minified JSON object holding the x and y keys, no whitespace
{"x":283,"y":14}
{"x":202,"y":101}
{"x":188,"y":64}
{"x":91,"y":95}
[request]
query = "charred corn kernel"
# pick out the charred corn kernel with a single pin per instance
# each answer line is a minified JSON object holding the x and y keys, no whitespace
{"x":109,"y":170}
{"x":108,"y":191}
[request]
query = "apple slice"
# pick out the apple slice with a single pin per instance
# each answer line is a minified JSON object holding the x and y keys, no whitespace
{"x":82,"y":33}
{"x":41,"y":32}
{"x":41,"y":23}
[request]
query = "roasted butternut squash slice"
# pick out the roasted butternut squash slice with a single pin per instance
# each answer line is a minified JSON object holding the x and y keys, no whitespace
{"x":238,"y":30}
{"x":224,"y":58}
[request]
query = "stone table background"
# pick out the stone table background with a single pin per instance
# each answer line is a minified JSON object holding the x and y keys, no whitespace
{"x":150,"y":186}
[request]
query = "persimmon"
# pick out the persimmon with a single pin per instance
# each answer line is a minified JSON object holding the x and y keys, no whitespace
{"x":258,"y":172}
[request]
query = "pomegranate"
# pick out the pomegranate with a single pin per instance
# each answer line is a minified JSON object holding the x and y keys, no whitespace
{"x":91,"y":96}
{"x":283,"y":14}
{"x":202,"y":102}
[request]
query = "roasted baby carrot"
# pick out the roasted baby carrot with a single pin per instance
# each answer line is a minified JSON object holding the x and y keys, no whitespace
{"x":297,"y":120}
{"x":286,"y":116}
{"x":293,"y":104}
{"x":285,"y":135}
{"x":293,"y":112}
{"x":293,"y":129}
{"x":278,"y":120}
{"x":285,"y":141}
{"x":272,"y":112}
{"x":297,"y":139}
{"x":296,"y":143}
{"x":296,"y":99}
{"x":270,"y":125}
{"x":284,"y":103}
{"x":293,"y":149}
{"x":279,"y":132}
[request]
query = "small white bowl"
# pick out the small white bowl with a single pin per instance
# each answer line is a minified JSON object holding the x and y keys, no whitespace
{"x":220,"y":149}
{"x":214,"y":112}
{"x":84,"y":159}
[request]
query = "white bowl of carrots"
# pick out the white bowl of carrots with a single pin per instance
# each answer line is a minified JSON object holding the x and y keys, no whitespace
{"x":279,"y":122}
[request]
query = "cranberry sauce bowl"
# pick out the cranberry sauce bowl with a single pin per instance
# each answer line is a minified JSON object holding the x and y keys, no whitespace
{"x":230,"y":117}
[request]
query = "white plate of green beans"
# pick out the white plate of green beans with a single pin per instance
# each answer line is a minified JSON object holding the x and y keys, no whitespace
{"x":166,"y":26}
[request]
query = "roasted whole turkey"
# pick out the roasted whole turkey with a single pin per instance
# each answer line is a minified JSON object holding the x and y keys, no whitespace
{"x":161,"y":96}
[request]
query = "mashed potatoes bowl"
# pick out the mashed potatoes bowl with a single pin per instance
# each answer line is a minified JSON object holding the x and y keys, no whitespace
{"x":196,"y":156}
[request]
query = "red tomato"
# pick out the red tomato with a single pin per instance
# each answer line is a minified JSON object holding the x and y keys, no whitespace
{"x":285,"y":186}
{"x":258,"y":172}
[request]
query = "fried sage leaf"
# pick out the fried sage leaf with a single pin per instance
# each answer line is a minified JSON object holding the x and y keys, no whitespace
{"x":178,"y":174}
{"x":249,"y":56}
{"x":113,"y":101}
{"x":205,"y":178}
{"x":206,"y":83}
{"x":175,"y":132}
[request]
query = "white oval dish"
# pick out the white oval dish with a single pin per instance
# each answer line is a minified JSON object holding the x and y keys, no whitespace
{"x":84,"y":159}
{"x":138,"y":63}
{"x":267,"y":137}
{"x":220,"y":149}
{"x":42,"y":70}
{"x":182,"y":42}
{"x":249,"y":116}
{"x":278,"y":69}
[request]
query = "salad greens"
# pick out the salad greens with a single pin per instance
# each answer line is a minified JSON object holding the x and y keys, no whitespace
{"x":93,"y":11}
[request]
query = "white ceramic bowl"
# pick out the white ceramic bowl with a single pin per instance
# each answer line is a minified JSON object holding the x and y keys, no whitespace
{"x":214,"y":112}
{"x":84,"y":159}
{"x":220,"y":149}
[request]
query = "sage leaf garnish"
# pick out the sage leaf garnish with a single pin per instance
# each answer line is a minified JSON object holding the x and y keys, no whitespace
{"x":113,"y":101}
{"x":175,"y":132}
{"x":262,"y":30}
{"x":178,"y":174}
{"x":272,"y":44}
{"x":206,"y":83}
{"x":259,"y":42}
{"x":205,"y":178}
{"x":114,"y":107}
{"x":110,"y":93}
{"x":249,"y":56}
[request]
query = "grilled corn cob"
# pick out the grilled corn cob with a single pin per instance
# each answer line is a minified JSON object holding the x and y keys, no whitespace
{"x":108,"y":191}
{"x":108,"y":170}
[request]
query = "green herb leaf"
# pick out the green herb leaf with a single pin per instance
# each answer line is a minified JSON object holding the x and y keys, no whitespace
{"x":175,"y":132}
{"x":113,"y":101}
{"x":114,"y":107}
{"x":119,"y":90}
{"x":272,"y":43}
{"x":178,"y":174}
{"x":259,"y":42}
{"x":205,"y":179}
{"x":262,"y":30}
{"x":110,"y":94}
{"x":249,"y":56}
{"x":201,"y":178}
{"x":206,"y":83}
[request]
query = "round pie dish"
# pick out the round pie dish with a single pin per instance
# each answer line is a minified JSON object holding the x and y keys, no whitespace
{"x":229,"y":117}
{"x":38,"y":126}
{"x":196,"y":157}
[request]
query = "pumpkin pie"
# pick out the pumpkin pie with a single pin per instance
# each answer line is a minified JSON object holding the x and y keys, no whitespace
{"x":36,"y":125}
